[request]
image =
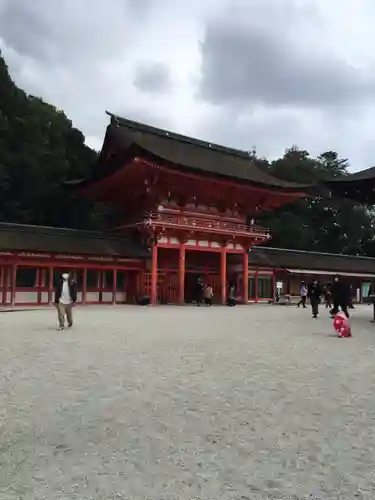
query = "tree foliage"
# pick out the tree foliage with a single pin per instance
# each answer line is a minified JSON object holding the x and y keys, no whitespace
{"x":40,"y":149}
{"x":320,"y":224}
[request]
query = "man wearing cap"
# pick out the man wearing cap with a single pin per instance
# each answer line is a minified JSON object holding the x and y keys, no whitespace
{"x":65,"y":298}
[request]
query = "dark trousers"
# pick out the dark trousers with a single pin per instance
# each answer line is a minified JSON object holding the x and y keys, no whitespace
{"x":314,"y":306}
{"x":302,"y":301}
{"x":199,"y":300}
{"x":337,"y":305}
{"x":328,"y":301}
{"x":208,"y":301}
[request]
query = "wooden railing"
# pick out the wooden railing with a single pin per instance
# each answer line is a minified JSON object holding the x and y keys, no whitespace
{"x":205,"y":224}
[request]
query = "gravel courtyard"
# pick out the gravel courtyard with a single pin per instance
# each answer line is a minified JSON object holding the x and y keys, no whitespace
{"x":258,"y":402}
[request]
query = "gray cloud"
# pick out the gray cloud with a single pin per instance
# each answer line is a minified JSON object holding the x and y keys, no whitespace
{"x":141,"y":8}
{"x":268,"y":73}
{"x":68,"y":31}
{"x":153,"y":77}
{"x":260,"y":61}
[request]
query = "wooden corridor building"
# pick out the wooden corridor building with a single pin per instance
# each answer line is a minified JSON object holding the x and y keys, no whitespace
{"x":186,"y":209}
{"x":111,"y":270}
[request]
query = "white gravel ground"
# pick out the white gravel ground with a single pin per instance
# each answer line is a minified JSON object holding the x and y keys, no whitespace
{"x":258,"y":402}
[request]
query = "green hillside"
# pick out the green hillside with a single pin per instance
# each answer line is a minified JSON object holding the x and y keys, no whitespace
{"x":39,"y":149}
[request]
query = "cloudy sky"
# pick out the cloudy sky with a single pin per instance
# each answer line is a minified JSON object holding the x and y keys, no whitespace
{"x":243,"y":73}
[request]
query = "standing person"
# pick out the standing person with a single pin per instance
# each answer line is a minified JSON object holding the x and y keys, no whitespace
{"x":208,"y":295}
{"x":302,"y":294}
{"x":340,"y":295}
{"x":351,"y":294}
{"x":199,"y":291}
{"x":314,"y":293}
{"x":65,"y":298}
{"x":328,"y":296}
{"x":231,"y":301}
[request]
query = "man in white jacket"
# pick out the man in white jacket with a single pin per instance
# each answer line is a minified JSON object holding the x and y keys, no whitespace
{"x":65,"y":298}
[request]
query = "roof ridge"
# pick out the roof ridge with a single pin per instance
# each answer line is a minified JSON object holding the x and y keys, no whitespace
{"x":180,"y":137}
{"x":350,"y":177}
{"x":294,"y":250}
{"x":58,"y":231}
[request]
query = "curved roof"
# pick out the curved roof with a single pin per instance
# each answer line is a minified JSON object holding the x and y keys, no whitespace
{"x":285,"y":258}
{"x":359,"y":186}
{"x":130,"y":138}
{"x":21,"y":237}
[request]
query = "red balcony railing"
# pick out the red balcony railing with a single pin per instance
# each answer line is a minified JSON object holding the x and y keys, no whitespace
{"x":205,"y":224}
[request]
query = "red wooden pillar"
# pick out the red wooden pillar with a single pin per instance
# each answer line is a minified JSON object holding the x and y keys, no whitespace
{"x":273,"y":285}
{"x":84,"y":285}
{"x":4,"y":283}
{"x":99,"y":281}
{"x":181,"y":276}
{"x":38,"y":284}
{"x":114,"y":286}
{"x":50,"y":286}
{"x":256,"y":276}
{"x":154,"y":274}
{"x":246,"y":277}
{"x":223,"y":275}
{"x":13,"y":285}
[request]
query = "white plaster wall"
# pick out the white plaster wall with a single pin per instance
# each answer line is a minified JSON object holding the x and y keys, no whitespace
{"x":92,"y":296}
{"x":23,"y":297}
{"x":107,"y":296}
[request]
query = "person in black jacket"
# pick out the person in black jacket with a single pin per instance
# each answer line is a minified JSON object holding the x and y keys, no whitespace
{"x":340,"y":295}
{"x":351,"y":293}
{"x":328,"y":296}
{"x":314,"y":293}
{"x":65,"y":298}
{"x":199,"y":291}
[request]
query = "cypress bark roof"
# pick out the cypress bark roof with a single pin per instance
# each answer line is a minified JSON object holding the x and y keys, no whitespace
{"x":19,"y":237}
{"x":359,"y":186}
{"x":299,"y":259}
{"x":129,"y":139}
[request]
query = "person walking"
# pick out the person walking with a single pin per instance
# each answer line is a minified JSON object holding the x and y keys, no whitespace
{"x":199,"y":292}
{"x":65,"y":298}
{"x":351,"y":294}
{"x":231,"y":300}
{"x":302,"y":294}
{"x":328,"y":296}
{"x":314,"y":293}
{"x":340,"y":295}
{"x":208,"y":295}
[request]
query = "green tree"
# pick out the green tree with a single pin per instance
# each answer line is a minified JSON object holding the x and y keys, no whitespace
{"x":39,"y":151}
{"x":321,"y":224}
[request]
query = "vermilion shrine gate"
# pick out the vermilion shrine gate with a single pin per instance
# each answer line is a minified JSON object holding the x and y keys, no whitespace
{"x":192,"y":202}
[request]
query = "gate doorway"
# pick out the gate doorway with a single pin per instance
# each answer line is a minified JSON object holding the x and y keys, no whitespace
{"x":191,"y":279}
{"x":167,"y":287}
